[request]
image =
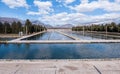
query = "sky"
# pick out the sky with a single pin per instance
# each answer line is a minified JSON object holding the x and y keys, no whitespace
{"x":60,"y":12}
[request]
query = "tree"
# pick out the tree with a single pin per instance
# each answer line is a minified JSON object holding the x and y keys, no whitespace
{"x":119,"y":27}
{"x":7,"y":28}
{"x":14,"y":27}
{"x":102,"y":28}
{"x":32,"y":28}
{"x":114,"y":27}
{"x":19,"y":26}
{"x":1,"y":27}
{"x":28,"y":25}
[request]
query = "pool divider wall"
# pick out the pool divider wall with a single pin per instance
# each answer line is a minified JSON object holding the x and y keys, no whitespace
{"x":72,"y":37}
{"x":37,"y":60}
{"x":64,"y":41}
{"x":23,"y":37}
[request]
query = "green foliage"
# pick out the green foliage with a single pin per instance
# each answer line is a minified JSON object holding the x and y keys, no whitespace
{"x":6,"y":28}
{"x":16,"y":27}
{"x":112,"y":27}
{"x":1,"y":27}
{"x":28,"y":26}
{"x":19,"y":26}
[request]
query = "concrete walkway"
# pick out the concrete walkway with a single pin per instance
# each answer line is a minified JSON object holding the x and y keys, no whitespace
{"x":63,"y":41}
{"x":75,"y":38}
{"x":60,"y":67}
{"x":23,"y":37}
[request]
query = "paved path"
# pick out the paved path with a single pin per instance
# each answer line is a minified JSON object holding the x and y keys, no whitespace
{"x":60,"y":67}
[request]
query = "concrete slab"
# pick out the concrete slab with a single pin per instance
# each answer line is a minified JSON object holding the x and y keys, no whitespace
{"x":60,"y":67}
{"x":70,"y":36}
{"x":63,"y":41}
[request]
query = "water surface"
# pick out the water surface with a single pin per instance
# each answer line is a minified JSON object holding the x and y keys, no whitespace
{"x":91,"y":36}
{"x":60,"y":51}
{"x":49,"y":36}
{"x":6,"y":39}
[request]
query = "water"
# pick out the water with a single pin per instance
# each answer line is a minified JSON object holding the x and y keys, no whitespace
{"x":91,"y":36}
{"x":49,"y":36}
{"x":6,"y":39}
{"x":60,"y":51}
{"x":80,"y":35}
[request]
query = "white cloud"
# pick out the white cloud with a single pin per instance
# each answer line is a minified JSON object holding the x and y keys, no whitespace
{"x":15,"y":3}
{"x":65,"y":1}
{"x":101,"y":4}
{"x":43,"y":8}
{"x":85,"y":7}
{"x":117,"y":1}
{"x":110,"y":7}
{"x":78,"y":18}
{"x":84,"y":1}
{"x":69,"y":1}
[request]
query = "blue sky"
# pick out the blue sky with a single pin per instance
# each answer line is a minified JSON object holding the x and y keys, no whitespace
{"x":59,"y":12}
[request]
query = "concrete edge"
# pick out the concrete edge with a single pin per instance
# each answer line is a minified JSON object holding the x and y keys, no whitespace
{"x":38,"y":60}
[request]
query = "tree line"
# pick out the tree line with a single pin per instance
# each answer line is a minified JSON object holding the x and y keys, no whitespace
{"x":16,"y":27}
{"x":112,"y":27}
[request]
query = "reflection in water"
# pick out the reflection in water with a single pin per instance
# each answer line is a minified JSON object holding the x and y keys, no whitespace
{"x":90,"y":36}
{"x":6,"y":39}
{"x":49,"y":36}
{"x":59,"y":51}
{"x":99,"y":50}
{"x":39,"y":51}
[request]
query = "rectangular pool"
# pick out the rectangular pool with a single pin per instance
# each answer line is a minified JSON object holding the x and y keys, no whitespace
{"x":60,"y":51}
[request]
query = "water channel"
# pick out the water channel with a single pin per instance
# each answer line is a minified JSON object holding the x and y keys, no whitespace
{"x":60,"y":51}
